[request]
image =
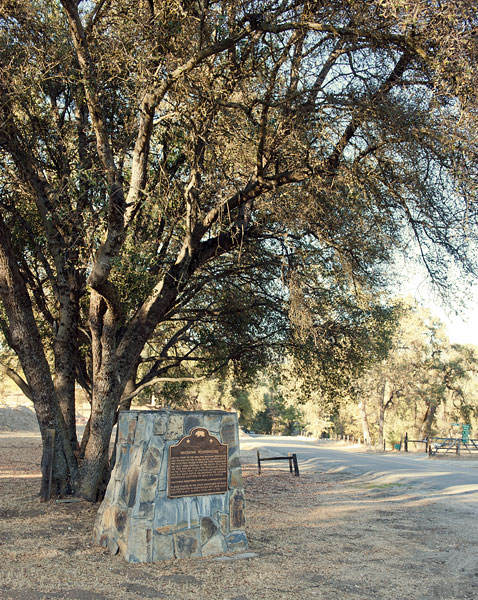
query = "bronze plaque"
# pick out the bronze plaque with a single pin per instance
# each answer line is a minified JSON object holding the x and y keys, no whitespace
{"x":198,"y":465}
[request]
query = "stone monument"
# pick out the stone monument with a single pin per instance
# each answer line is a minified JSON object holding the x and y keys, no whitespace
{"x":176,"y":489}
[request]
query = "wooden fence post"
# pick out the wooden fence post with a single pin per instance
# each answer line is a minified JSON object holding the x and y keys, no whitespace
{"x":47,"y":465}
{"x":293,"y":457}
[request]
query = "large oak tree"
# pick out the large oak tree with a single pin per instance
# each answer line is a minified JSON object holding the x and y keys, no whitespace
{"x":152,"y":150}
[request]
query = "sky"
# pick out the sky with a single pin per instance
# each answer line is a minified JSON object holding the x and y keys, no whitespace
{"x":461,"y":328}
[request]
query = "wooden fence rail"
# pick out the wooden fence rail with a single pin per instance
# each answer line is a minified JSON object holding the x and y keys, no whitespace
{"x":457,"y":446}
{"x":407,"y":441}
{"x":292,"y":458}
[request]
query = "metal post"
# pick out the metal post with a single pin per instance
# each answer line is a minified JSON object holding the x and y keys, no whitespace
{"x":258,"y":463}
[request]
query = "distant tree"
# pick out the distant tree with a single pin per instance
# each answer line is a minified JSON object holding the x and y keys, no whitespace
{"x":462,"y":386}
{"x":421,"y":373}
{"x":149,"y":149}
{"x":278,"y":417}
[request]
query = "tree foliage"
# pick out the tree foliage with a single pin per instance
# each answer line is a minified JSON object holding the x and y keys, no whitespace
{"x":422,"y":386}
{"x":163,"y":161}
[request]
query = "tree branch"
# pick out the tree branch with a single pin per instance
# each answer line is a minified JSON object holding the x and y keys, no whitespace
{"x":14,"y":376}
{"x":116,"y":206}
{"x":357,"y":119}
{"x":156,"y":380}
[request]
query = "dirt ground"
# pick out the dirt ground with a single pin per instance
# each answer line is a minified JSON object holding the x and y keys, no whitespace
{"x":322,"y":535}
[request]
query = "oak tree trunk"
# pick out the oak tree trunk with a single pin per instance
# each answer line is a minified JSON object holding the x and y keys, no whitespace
{"x":385,"y":401}
{"x":24,"y":338}
{"x":428,"y":419}
{"x":365,"y":425}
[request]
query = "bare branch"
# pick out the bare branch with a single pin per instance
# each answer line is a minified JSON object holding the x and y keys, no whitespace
{"x":14,"y":376}
{"x":156,"y":380}
{"x":358,"y":118}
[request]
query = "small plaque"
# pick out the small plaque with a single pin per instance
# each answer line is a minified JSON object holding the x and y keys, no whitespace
{"x":198,"y":465}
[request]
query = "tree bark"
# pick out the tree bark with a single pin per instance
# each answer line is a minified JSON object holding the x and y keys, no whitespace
{"x":365,"y":425}
{"x":96,"y":459}
{"x":26,"y":342}
{"x":107,"y":389}
{"x":84,"y":439}
{"x":428,"y":419}
{"x":64,"y":348}
{"x":385,"y":401}
{"x":128,"y":394}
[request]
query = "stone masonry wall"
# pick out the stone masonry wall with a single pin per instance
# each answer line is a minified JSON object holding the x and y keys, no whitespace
{"x":138,"y":519}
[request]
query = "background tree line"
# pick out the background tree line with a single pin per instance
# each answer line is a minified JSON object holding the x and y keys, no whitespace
{"x":421,"y":385}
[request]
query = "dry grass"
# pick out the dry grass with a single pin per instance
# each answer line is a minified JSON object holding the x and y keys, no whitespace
{"x":322,"y":535}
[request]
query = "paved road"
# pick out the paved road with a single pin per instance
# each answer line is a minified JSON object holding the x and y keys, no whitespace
{"x":446,"y":477}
